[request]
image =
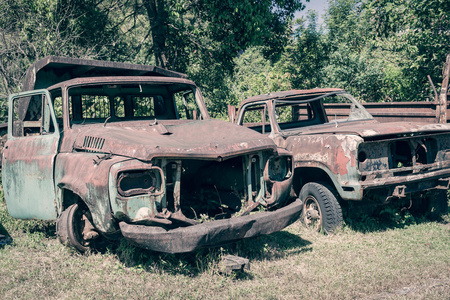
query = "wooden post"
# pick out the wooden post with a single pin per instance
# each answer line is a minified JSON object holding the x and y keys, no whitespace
{"x":442,"y":117}
{"x":232,"y":113}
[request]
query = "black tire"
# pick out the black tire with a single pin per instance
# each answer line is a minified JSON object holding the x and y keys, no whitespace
{"x":69,"y":228}
{"x":321,"y":209}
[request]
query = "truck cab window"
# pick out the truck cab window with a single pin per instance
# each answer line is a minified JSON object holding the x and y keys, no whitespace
{"x":31,"y":116}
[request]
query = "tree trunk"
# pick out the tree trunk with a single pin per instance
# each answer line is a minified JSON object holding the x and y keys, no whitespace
{"x":157,"y":16}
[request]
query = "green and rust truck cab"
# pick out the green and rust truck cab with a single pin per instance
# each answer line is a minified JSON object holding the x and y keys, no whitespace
{"x":111,"y":149}
{"x":341,"y":153}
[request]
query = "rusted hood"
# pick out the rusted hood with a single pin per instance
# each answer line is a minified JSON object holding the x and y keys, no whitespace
{"x":372,"y":129}
{"x":210,"y":139}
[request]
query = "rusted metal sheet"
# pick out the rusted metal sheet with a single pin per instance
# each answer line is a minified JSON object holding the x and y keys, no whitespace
{"x":422,"y":112}
{"x":358,"y":154}
{"x":212,"y":233}
{"x":28,"y":163}
{"x":109,"y":80}
{"x":140,"y":151}
{"x":334,"y":153}
{"x":143,"y":142}
{"x":54,"y":69}
{"x":28,"y":166}
{"x":342,"y":145}
{"x":78,"y":173}
{"x":232,"y":263}
{"x":371,"y":129}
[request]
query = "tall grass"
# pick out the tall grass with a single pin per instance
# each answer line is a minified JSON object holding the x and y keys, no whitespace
{"x":394,"y":255}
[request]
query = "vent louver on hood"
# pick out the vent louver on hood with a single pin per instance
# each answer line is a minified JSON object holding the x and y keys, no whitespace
{"x":93,"y":143}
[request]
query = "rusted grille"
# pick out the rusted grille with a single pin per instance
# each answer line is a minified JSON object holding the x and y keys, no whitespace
{"x":403,"y":156}
{"x":207,"y":188}
{"x":93,"y":143}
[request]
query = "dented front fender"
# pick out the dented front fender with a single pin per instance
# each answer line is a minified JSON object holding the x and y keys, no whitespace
{"x":336,"y":155}
{"x":79,"y":173}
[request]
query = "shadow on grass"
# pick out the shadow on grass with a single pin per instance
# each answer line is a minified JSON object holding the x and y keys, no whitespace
{"x":267,"y":247}
{"x":48,"y":228}
{"x":398,"y":214}
{"x":15,"y":226}
{"x":5,"y":238}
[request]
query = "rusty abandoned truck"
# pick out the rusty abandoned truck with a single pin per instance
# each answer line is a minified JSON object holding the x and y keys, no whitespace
{"x":350,"y":157}
{"x":112,"y":149}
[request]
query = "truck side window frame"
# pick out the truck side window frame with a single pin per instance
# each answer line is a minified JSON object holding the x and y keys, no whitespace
{"x":264,"y":126}
{"x":38,"y":119}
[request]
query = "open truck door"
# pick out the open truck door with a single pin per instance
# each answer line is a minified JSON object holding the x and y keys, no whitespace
{"x":29,"y":155}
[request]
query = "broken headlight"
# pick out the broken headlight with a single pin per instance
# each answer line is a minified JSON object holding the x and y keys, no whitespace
{"x":138,"y":182}
{"x":279,"y":168}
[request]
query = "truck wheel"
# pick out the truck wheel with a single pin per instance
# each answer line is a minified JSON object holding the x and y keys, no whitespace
{"x":321,"y":210}
{"x":71,"y":227}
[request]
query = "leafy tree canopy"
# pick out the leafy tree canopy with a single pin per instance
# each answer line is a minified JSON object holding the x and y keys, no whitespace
{"x":379,"y":50}
{"x":197,"y":37}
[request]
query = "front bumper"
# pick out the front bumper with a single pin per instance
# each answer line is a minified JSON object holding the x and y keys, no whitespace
{"x":389,"y":179}
{"x":399,"y":187}
{"x":215,"y":233}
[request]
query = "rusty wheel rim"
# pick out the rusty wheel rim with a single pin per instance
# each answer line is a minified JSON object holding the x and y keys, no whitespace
{"x":78,"y":227}
{"x":312,"y":216}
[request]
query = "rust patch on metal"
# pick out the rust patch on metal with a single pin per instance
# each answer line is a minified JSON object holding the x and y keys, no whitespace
{"x":341,"y":161}
{"x":333,"y":138}
{"x":134,"y":145}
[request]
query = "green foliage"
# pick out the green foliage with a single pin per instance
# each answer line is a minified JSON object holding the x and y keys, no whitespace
{"x":31,"y":30}
{"x":194,"y":33}
{"x":379,"y":50}
{"x":198,"y":38}
{"x":213,"y":79}
{"x":353,"y":62}
{"x":356,"y":72}
{"x":218,"y":31}
{"x":398,"y":43}
{"x":341,"y":56}
{"x":256,"y":75}
{"x":400,"y":213}
{"x":240,"y":24}
{"x":306,"y":54}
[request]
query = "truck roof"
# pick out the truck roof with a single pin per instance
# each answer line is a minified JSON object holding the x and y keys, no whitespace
{"x":122,"y":80}
{"x":52,"y":70}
